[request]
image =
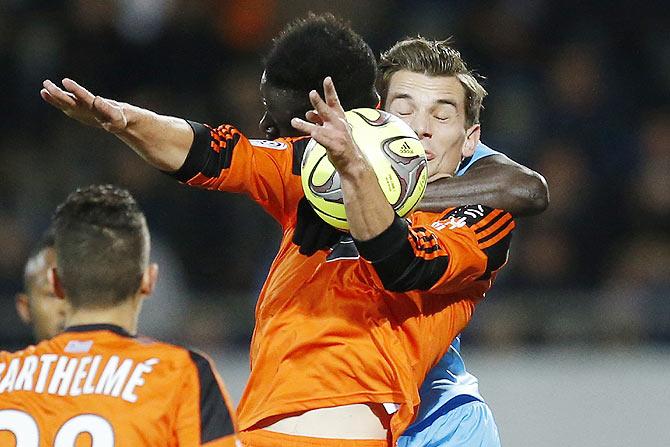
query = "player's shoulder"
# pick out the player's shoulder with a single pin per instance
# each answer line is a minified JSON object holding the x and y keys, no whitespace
{"x":279,"y":144}
{"x":293,"y":146}
{"x":485,"y":224}
{"x":472,"y":214}
{"x":203,"y":365}
{"x":108,"y":340}
{"x":6,"y":356}
{"x":482,"y":151}
{"x":44,"y":346}
{"x":181,"y":357}
{"x":460,"y":216}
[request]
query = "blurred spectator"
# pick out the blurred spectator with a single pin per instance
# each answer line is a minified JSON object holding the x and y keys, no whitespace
{"x":649,"y":194}
{"x":633,"y":304}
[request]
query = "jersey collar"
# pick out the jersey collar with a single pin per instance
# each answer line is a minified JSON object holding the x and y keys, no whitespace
{"x":99,"y":327}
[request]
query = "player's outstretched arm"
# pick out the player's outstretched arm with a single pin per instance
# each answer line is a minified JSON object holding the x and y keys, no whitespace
{"x":163,"y":141}
{"x":368,"y":211}
{"x":495,"y":181}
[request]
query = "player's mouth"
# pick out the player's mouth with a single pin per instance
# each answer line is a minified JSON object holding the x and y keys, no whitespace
{"x":429,"y":155}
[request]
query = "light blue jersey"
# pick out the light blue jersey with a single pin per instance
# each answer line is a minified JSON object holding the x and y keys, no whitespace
{"x":481,"y":151}
{"x":452,"y":412}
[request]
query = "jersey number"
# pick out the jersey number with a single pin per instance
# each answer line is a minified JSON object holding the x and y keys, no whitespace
{"x":27,"y":434}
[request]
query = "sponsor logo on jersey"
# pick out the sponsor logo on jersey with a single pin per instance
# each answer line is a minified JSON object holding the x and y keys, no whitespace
{"x":269,"y":144}
{"x":75,"y":346}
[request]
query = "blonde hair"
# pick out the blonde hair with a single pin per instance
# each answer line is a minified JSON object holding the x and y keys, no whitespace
{"x":432,"y":58}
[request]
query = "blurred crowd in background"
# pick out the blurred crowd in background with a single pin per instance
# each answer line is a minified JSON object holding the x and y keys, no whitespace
{"x":579,"y":91}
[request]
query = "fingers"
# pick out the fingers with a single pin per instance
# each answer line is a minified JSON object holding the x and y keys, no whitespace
{"x":303,"y":126}
{"x":80,"y":104}
{"x":320,"y":133}
{"x":70,"y":97}
{"x":313,"y":117}
{"x":48,"y":98}
{"x":320,"y":106}
{"x":104,"y":108}
{"x":330,"y":93}
{"x":326,"y":115}
{"x":330,"y":108}
{"x":56,"y":96}
{"x":79,"y":92}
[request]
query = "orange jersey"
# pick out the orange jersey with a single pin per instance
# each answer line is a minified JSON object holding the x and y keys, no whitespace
{"x":97,"y":385}
{"x":365,"y":321}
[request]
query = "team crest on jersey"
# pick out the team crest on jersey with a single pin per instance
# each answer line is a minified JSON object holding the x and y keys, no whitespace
{"x":269,"y":144}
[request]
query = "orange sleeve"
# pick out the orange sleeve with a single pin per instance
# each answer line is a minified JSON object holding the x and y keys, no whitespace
{"x":205,"y":416}
{"x":441,"y":255}
{"x":224,"y":159}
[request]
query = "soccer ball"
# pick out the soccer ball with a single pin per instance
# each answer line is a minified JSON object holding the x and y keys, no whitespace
{"x":392,"y":149}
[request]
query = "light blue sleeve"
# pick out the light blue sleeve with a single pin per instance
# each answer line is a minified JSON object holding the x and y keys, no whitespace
{"x":481,"y":151}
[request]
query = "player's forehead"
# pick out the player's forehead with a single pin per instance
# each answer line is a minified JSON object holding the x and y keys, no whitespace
{"x":425,"y":89}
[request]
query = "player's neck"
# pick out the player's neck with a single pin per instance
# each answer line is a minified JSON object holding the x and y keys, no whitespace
{"x":123,"y":315}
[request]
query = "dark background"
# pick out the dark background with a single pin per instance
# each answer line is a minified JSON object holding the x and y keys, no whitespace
{"x":578,"y":91}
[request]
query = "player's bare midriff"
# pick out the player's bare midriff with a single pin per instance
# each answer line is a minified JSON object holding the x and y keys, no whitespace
{"x":356,"y":421}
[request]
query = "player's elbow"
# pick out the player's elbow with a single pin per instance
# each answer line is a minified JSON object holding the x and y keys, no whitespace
{"x":530,"y":196}
{"x":538,"y":194}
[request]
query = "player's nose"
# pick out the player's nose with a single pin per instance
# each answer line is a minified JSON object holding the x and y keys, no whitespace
{"x":421,"y":125}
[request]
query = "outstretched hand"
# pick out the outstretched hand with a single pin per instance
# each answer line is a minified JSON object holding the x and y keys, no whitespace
{"x":329,"y":127}
{"x":80,"y":104}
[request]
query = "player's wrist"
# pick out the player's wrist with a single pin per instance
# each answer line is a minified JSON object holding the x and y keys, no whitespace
{"x":355,"y":168}
{"x":133,"y":117}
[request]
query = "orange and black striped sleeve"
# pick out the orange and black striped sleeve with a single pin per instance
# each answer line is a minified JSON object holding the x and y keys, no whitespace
{"x":205,"y":416}
{"x":224,"y":159}
{"x":465,"y":244}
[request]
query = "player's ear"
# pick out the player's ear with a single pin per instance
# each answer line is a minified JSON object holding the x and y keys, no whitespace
{"x":149,"y":279}
{"x":23,"y":307}
{"x":472,"y":136}
{"x":54,"y":281}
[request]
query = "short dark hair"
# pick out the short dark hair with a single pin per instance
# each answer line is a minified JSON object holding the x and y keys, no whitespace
{"x":102,"y":246}
{"x":46,"y":241}
{"x":311,"y":48}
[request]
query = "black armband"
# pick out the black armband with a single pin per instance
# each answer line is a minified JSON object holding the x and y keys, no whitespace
{"x":197,"y":156}
{"x":202,"y":158}
{"x":396,"y":263}
{"x":386,"y":243}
